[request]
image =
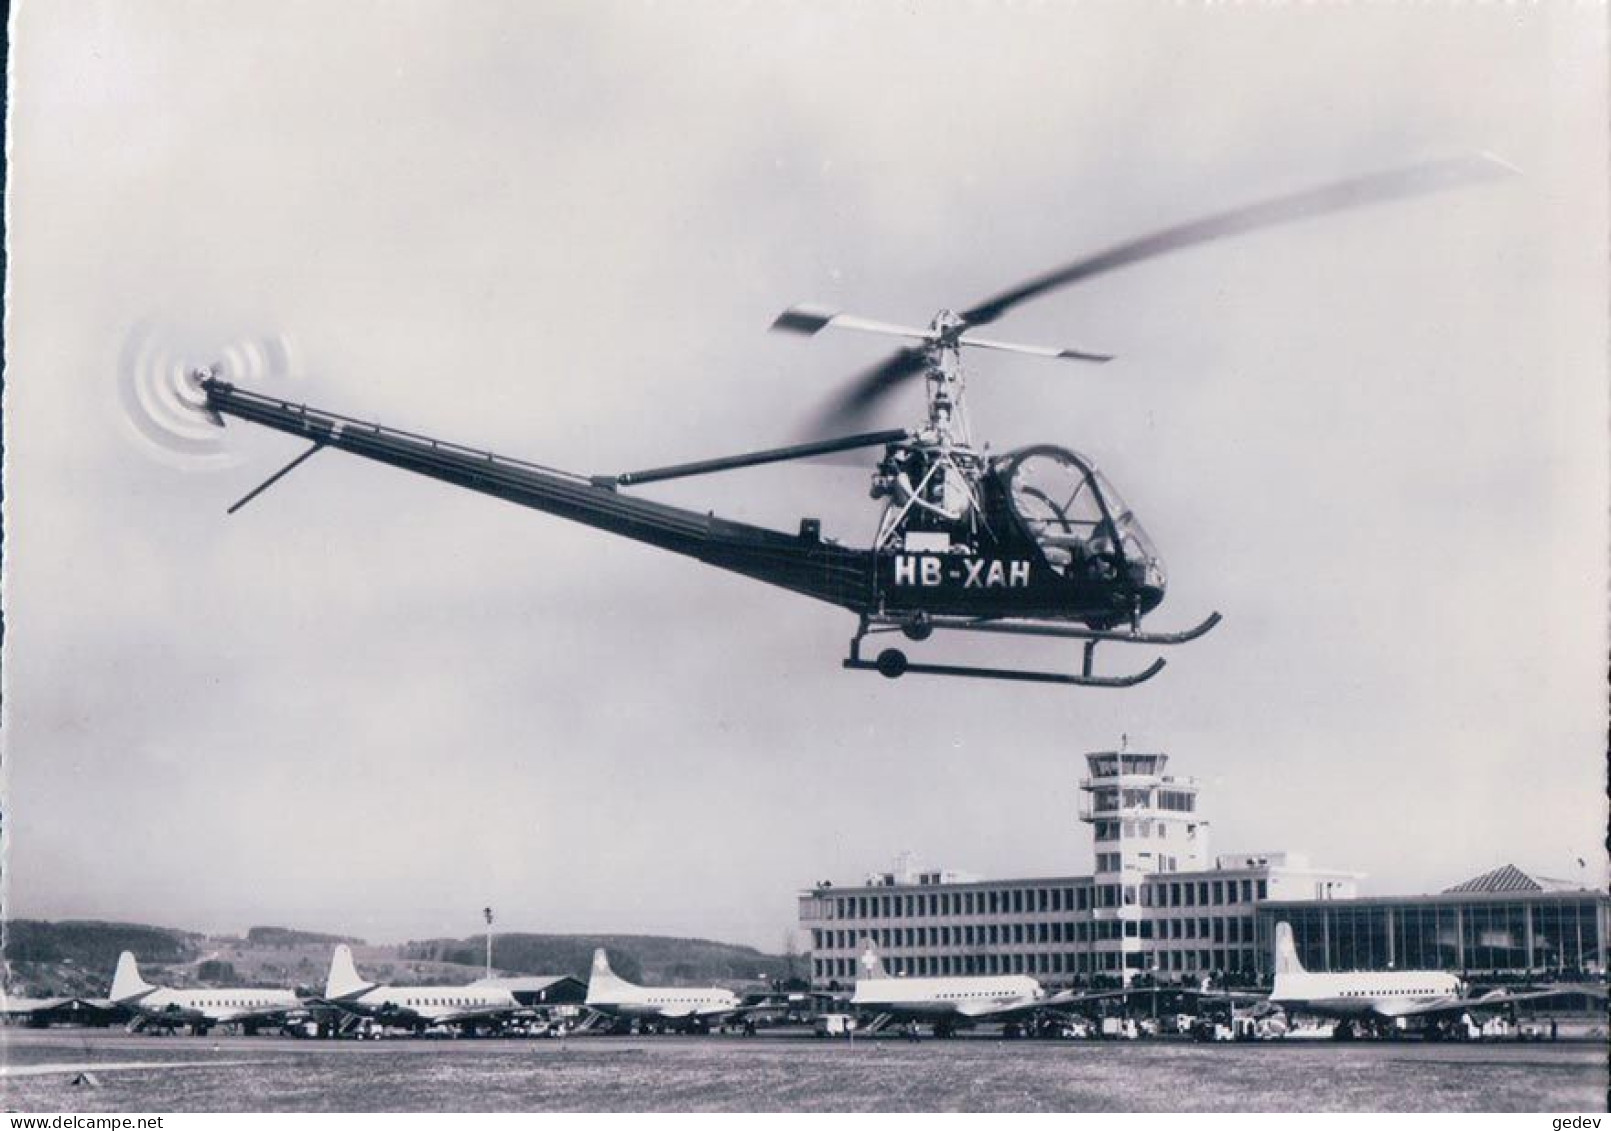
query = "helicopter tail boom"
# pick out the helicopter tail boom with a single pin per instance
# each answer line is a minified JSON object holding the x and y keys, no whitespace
{"x":803,"y":563}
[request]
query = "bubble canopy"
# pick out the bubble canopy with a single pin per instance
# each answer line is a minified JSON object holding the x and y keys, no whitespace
{"x":1078,"y":519}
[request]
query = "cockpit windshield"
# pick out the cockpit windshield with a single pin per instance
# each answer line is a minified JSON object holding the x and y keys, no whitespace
{"x":1082,"y":525}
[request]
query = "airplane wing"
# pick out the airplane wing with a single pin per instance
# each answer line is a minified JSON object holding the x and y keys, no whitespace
{"x":399,"y":1015}
{"x":482,"y":1013}
{"x":791,"y":999}
{"x":682,"y":1012}
{"x":340,"y":1005}
{"x":1001,"y":1011}
{"x":387,"y":1013}
{"x":168,"y":1016}
{"x":1496,"y":999}
{"x":1065,"y":1001}
{"x":1235,"y":997}
{"x":1074,"y":998}
{"x":260,"y":1013}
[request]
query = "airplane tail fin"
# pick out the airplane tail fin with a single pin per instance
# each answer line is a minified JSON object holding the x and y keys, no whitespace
{"x":126,"y":981}
{"x":1286,"y":951}
{"x":602,"y":974}
{"x":343,"y":978}
{"x":872,"y":966}
{"x":604,"y":985}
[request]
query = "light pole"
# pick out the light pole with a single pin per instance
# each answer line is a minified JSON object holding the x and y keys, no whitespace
{"x":487,"y":911}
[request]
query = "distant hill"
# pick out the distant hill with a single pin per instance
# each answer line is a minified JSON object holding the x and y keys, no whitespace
{"x":93,"y":944}
{"x":651,"y":959}
{"x":76,"y":957}
{"x":44,"y":959}
{"x":286,"y":937}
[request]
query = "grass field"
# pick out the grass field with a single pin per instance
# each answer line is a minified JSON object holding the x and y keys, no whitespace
{"x":135,"y":1073}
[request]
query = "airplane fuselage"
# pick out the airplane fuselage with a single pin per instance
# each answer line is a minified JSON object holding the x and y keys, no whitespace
{"x":209,"y":1007}
{"x":1379,"y":993}
{"x":668,"y":1003}
{"x":427,"y":1003}
{"x":946,"y":997}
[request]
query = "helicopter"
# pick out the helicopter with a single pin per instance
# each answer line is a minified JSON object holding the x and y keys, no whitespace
{"x":1034,"y":542}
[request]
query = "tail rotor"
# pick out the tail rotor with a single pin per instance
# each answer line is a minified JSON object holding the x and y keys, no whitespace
{"x":159,"y":377}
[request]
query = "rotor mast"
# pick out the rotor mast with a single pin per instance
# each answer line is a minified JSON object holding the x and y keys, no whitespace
{"x":931,"y":479}
{"x":943,"y":374}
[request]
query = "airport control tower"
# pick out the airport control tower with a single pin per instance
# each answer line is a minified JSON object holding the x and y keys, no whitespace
{"x":1145,"y":823}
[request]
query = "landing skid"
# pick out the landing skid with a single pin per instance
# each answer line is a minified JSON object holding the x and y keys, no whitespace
{"x":892,"y":663}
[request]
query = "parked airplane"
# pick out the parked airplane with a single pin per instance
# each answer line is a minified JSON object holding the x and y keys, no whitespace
{"x":949,"y":1001}
{"x":157,"y":1007}
{"x":683,"y":1007}
{"x":1373,"y":998}
{"x":417,"y":1007}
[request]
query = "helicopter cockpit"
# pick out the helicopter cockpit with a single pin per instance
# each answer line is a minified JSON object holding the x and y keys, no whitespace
{"x":1082,"y":526}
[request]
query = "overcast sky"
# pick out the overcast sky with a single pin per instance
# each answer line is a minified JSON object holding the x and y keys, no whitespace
{"x":370,"y":703}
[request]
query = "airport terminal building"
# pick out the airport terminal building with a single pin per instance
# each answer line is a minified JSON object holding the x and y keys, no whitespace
{"x":1162,"y":905}
{"x":1501,"y":923}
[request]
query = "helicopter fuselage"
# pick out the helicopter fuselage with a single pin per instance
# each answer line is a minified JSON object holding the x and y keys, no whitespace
{"x":993,"y":569}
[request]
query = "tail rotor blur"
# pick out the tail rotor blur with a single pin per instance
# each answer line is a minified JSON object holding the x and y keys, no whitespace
{"x":159,"y":378}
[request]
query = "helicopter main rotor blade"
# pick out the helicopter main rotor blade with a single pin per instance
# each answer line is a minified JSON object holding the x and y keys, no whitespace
{"x":858,"y":398}
{"x":811,"y":320}
{"x":1034,"y":351}
{"x":854,"y":404}
{"x":1356,"y":192}
{"x":753,"y":459}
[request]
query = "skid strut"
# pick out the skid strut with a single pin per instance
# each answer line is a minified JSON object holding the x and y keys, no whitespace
{"x":892,"y":663}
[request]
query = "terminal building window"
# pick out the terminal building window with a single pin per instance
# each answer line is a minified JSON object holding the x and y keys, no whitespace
{"x":1495,"y":936}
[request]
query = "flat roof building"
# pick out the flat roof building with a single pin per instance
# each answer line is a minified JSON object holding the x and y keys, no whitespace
{"x":1158,"y":902}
